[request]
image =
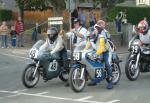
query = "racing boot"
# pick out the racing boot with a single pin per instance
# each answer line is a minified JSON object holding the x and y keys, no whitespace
{"x":110,"y":84}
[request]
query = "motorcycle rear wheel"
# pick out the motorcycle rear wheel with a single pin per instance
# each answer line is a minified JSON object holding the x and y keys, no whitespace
{"x":132,"y":73}
{"x":64,"y":75}
{"x":77,"y":84}
{"x":27,"y":79}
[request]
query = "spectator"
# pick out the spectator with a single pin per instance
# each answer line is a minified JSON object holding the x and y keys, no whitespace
{"x":82,"y":17}
{"x":4,"y":34}
{"x":118,"y":21}
{"x":124,"y":18}
{"x":13,"y":35}
{"x":19,"y":28}
{"x":37,"y":28}
{"x":92,"y":18}
{"x":36,"y":32}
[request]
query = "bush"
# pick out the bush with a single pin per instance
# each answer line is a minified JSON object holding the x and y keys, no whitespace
{"x":5,"y":15}
{"x":134,"y":14}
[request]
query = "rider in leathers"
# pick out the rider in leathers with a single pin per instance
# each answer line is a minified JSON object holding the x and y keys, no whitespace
{"x":101,"y":45}
{"x":55,"y":45}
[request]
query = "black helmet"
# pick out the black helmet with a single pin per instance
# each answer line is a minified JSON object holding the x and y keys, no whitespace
{"x":52,"y":33}
{"x":76,"y":20}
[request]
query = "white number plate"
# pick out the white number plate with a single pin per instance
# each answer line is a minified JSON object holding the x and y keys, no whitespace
{"x":77,"y":56}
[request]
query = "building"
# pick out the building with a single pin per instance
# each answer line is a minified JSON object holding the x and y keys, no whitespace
{"x":143,"y":2}
{"x":135,"y":3}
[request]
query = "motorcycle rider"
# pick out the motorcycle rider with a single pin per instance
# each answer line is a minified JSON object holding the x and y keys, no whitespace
{"x":55,"y":45}
{"x":77,"y":34}
{"x":102,"y":47}
{"x":144,"y":33}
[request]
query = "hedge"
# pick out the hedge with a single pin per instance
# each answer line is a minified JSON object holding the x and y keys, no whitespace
{"x":134,"y":14}
{"x":5,"y":15}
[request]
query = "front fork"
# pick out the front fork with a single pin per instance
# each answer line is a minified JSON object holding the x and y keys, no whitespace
{"x":37,"y":65}
{"x":82,"y":73}
{"x":137,"y":60}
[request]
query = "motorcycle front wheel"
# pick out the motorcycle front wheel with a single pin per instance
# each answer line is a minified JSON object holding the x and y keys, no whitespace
{"x":76,"y":83}
{"x":132,"y":73}
{"x":116,"y":73}
{"x":27,"y":77}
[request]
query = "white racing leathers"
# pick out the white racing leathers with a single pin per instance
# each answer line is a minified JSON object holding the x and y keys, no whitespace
{"x":145,"y":38}
{"x":54,"y":47}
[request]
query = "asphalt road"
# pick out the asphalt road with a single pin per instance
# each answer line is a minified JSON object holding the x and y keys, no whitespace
{"x":54,"y":91}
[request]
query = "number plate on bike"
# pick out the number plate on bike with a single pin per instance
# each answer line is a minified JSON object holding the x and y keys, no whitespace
{"x":77,"y":56}
{"x":135,"y":49}
{"x":98,"y":73}
{"x":32,"y":53}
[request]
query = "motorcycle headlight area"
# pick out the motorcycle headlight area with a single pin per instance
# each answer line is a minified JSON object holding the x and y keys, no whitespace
{"x":33,"y":53}
{"x":77,"y":56}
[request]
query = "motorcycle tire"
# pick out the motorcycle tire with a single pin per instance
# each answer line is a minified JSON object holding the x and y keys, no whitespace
{"x":27,"y":79}
{"x":64,"y":75}
{"x":74,"y":86}
{"x":116,"y":71}
{"x":130,"y":64}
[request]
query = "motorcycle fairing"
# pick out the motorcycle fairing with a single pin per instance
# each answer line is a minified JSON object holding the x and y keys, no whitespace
{"x":96,"y":70}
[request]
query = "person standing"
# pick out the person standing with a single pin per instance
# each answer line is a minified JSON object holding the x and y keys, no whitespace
{"x":19,"y":28}
{"x":118,"y":21}
{"x":4,"y":31}
{"x":13,"y":35}
{"x":92,"y":18}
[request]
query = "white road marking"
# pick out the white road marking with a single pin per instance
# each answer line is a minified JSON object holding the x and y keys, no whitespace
{"x":19,"y":91}
{"x":54,"y":97}
{"x":12,"y":95}
{"x":84,"y":98}
{"x":113,"y":101}
{"x":41,"y":93}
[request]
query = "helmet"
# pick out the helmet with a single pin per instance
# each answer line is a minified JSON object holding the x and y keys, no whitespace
{"x":76,"y":20}
{"x":142,"y":26}
{"x":52,"y":33}
{"x":100,"y":25}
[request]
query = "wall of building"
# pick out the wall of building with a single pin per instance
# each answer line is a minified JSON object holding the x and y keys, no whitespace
{"x":143,"y":2}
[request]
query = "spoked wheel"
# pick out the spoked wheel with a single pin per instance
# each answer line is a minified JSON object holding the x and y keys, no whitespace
{"x":76,"y":82}
{"x":132,"y":73}
{"x":27,"y":77}
{"x":116,"y":73}
{"x":64,"y":75}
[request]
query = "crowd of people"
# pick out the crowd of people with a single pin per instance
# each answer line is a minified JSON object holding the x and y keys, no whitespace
{"x":14,"y":36}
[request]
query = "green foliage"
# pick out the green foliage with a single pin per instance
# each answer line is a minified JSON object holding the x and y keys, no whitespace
{"x":5,"y":15}
{"x":134,"y":14}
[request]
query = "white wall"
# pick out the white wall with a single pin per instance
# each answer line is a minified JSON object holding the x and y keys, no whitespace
{"x":143,"y":2}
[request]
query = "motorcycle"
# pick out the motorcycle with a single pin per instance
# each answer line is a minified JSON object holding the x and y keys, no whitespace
{"x":87,"y":67}
{"x":41,"y":65}
{"x":138,"y":59}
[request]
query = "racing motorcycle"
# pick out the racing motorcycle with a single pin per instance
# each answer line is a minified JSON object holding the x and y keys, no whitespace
{"x":138,"y":59}
{"x":87,"y":67}
{"x":41,"y":65}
